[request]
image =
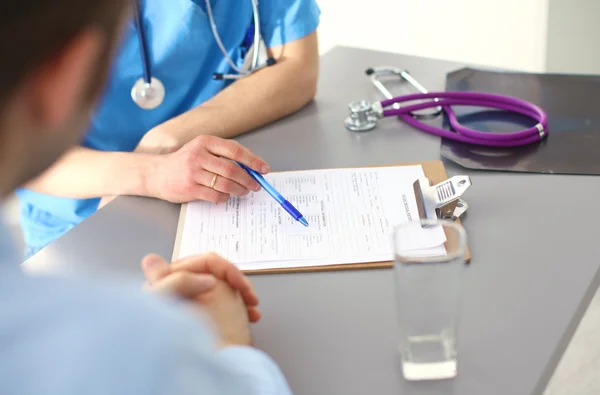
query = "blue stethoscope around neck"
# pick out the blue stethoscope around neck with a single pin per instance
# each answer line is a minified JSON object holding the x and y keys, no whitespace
{"x":149,"y":92}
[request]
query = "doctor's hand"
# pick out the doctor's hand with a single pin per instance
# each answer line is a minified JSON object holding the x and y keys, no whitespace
{"x":200,"y":170}
{"x":195,"y":276}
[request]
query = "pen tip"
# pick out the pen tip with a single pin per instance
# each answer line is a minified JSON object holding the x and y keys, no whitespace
{"x":303,"y":221}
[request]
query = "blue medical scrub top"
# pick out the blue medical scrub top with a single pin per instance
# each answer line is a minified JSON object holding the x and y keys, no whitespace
{"x":184,"y":55}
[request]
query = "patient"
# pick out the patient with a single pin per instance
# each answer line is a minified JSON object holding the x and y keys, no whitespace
{"x":67,"y":337}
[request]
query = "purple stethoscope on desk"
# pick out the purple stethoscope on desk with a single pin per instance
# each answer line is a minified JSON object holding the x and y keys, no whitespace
{"x":364,"y":115}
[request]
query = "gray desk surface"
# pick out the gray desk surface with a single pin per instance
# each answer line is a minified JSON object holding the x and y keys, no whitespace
{"x":534,"y":269}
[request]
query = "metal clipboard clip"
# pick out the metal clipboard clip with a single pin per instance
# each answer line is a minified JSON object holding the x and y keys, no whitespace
{"x":442,"y":200}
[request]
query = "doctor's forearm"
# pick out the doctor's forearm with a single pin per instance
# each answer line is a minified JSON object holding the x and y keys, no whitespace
{"x":85,"y":173}
{"x":256,"y":100}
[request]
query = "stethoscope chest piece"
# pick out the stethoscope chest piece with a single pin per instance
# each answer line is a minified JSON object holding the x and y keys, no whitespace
{"x":361,"y":118}
{"x":148,"y":95}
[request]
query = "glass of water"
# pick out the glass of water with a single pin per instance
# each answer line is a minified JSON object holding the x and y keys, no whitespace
{"x":428,"y":285}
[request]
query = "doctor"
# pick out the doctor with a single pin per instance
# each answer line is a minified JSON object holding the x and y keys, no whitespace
{"x":178,"y":89}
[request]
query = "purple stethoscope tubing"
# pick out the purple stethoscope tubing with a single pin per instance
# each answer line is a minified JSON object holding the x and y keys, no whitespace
{"x":476,"y":99}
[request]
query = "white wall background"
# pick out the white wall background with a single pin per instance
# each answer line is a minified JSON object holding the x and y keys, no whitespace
{"x":574,"y":36}
{"x":530,"y":35}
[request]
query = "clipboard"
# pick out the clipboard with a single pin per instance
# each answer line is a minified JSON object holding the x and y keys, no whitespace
{"x":436,"y":189}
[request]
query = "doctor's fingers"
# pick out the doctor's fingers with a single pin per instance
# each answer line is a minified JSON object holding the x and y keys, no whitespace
{"x":221,"y":184}
{"x":230,"y":171}
{"x":201,"y":192}
{"x":233,"y":150}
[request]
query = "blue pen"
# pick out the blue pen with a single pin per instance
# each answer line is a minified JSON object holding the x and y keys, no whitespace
{"x":275,"y":195}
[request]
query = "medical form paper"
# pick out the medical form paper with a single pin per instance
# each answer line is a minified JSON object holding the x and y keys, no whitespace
{"x":351,"y":215}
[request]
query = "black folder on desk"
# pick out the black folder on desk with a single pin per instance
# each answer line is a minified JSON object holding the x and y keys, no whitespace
{"x":572,"y":103}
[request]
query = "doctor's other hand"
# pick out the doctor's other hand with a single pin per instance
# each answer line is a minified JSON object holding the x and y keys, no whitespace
{"x":203,"y":169}
{"x":193,"y":276}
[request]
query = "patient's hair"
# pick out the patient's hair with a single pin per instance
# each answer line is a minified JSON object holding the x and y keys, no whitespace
{"x":32,"y":32}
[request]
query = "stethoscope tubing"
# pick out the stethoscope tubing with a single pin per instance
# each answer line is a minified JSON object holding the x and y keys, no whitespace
{"x":476,"y":99}
{"x":142,"y":40}
{"x":256,"y":18}
{"x":148,"y":92}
